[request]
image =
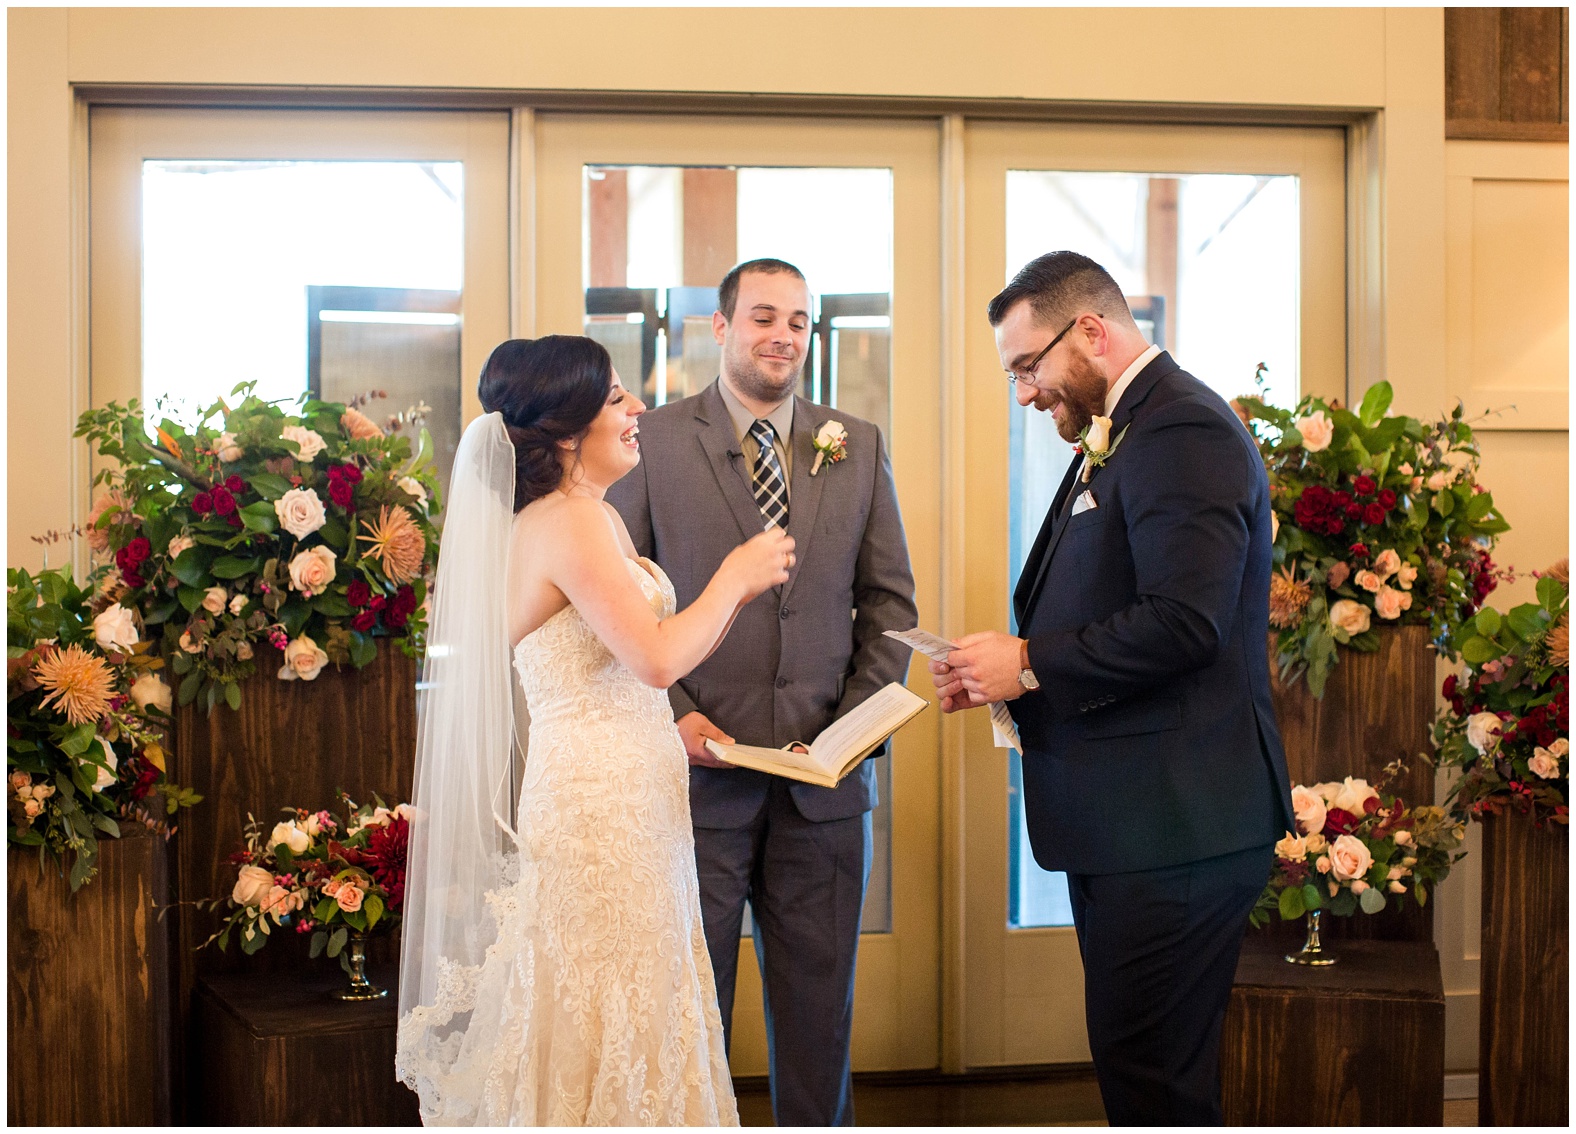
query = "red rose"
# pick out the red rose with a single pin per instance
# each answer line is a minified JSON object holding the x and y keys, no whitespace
{"x":1354,"y":511}
{"x":1374,"y":514}
{"x":1358,"y":549}
{"x":233,"y":520}
{"x":378,"y":602}
{"x":235,"y":484}
{"x":1341,"y":497}
{"x":358,"y":594}
{"x":340,"y":492}
{"x":395,"y":618}
{"x":223,"y":502}
{"x":350,"y":473}
{"x":132,"y":579}
{"x":1448,"y":690}
{"x":1364,"y":485}
{"x":1387,"y":498}
{"x":364,"y":621}
{"x":405,"y":599}
{"x":1339,"y":822}
{"x":138,"y":550}
{"x":1546,"y":737}
{"x":202,"y":503}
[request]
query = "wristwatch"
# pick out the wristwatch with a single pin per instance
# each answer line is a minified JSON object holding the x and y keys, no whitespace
{"x":1026,"y":676}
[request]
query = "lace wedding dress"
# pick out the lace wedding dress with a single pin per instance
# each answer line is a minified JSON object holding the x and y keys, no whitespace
{"x":596,"y":1004}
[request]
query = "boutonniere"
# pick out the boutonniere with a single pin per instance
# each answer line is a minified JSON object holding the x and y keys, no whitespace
{"x":831,"y":445}
{"x":1096,"y":446}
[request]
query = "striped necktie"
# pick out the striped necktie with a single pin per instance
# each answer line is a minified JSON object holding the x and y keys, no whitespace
{"x":771,"y":490}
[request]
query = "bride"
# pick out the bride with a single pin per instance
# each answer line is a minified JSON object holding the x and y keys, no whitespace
{"x":554,"y":972}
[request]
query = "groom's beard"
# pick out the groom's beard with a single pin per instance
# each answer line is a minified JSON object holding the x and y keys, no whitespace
{"x":1081,"y":397}
{"x":750,"y":380}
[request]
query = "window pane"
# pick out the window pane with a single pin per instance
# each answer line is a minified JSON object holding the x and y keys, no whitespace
{"x":233,"y":251}
{"x":659,"y":239}
{"x":1210,"y":265}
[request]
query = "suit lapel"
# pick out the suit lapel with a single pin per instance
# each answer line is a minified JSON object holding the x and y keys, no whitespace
{"x":718,"y":441}
{"x":804,"y":499}
{"x":1143,"y":382}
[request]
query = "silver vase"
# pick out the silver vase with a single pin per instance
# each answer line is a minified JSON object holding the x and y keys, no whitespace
{"x":1312,"y":951}
{"x":360,"y":988}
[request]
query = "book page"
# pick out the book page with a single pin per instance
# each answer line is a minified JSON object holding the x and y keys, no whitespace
{"x":884,"y":711}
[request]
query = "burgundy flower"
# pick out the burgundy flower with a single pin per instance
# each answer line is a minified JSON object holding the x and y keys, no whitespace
{"x":386,"y":849}
{"x":235,"y":484}
{"x":223,"y":502}
{"x":347,"y":472}
{"x":1318,"y":510}
{"x":233,"y":520}
{"x":139,"y":549}
{"x":1354,"y":512}
{"x":1374,"y":514}
{"x":202,"y":503}
{"x":364,"y":621}
{"x":1358,"y":549}
{"x":395,"y":617}
{"x":405,"y":599}
{"x":1364,"y":485}
{"x":1387,"y":498}
{"x":1339,"y":822}
{"x":1341,"y":497}
{"x":340,"y":491}
{"x":132,"y":579}
{"x":358,"y":594}
{"x":1448,"y":690}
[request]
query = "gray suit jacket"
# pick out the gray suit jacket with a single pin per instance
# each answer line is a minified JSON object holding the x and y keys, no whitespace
{"x":805,"y":653}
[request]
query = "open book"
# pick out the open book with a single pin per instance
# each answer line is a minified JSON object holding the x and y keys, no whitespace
{"x":839,"y":749}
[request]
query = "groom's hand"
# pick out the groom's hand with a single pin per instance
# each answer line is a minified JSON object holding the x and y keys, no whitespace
{"x":949,"y":687}
{"x":985,"y":667}
{"x":694,"y":728}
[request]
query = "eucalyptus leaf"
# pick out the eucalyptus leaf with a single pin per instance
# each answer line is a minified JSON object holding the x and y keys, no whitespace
{"x":1371,"y":900}
{"x":1476,"y":651}
{"x":1487,"y":622}
{"x":1291,"y":904}
{"x":1551,"y":592}
{"x":1526,"y":621}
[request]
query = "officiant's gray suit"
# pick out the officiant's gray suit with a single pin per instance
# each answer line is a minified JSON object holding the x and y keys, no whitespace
{"x":796,"y":659}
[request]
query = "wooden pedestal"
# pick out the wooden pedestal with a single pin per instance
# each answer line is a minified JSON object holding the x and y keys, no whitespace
{"x":88,"y":977}
{"x":278,"y":1051}
{"x":292,"y":743}
{"x":1361,"y":1043}
{"x":1523,"y":1036}
{"x":1376,"y":708}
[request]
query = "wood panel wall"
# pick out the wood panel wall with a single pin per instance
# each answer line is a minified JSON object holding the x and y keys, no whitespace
{"x":1507,"y":74}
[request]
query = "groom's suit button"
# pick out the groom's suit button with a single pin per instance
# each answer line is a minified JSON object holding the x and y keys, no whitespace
{"x":1084,"y":707}
{"x":783,"y":613}
{"x":782,"y":683}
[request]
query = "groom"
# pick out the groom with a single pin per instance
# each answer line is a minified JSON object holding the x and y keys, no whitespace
{"x":715,"y":469}
{"x":1152,"y":766}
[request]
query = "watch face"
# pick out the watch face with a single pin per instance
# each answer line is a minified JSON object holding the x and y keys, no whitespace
{"x":1027,"y":679}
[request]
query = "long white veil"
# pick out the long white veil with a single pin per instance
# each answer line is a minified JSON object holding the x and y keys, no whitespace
{"x":459,"y":845}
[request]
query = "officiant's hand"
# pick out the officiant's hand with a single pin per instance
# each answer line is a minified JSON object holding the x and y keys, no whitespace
{"x":983,"y":668}
{"x":694,"y":728}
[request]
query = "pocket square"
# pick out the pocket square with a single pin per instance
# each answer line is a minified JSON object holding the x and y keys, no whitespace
{"x":1084,"y":503}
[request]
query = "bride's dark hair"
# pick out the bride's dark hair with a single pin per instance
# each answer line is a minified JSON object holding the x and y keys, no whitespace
{"x":548,"y":390}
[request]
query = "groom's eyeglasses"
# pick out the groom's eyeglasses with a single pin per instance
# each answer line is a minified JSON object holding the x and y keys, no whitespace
{"x":1026,"y":375}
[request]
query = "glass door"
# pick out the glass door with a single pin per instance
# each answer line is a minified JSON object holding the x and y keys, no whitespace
{"x":352,"y":255}
{"x":638,"y":219}
{"x":1230,"y":245}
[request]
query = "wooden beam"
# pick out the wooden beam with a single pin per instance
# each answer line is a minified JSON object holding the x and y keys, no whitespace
{"x":608,"y":206}
{"x":711,"y":225}
{"x":1160,"y":238}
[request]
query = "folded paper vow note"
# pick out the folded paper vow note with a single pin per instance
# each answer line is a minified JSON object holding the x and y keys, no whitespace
{"x":1004,"y":730}
{"x":839,"y":749}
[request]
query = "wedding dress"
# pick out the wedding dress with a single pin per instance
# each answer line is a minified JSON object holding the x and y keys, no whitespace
{"x":594,"y":1004}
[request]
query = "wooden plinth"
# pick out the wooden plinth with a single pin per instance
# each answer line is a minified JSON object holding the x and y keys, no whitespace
{"x":1376,"y":708}
{"x":88,"y":978}
{"x":278,"y":1051}
{"x":1361,"y":1043}
{"x":1523,"y":1021}
{"x":292,"y":743}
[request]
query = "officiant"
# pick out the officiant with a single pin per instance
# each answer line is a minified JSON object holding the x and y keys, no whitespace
{"x":716,"y":468}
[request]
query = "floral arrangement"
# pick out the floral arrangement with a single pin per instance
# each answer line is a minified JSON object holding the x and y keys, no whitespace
{"x":1378,"y":519}
{"x":86,"y":711}
{"x":1354,"y":845}
{"x":311,"y":533}
{"x":319,"y":875}
{"x":1507,"y":726}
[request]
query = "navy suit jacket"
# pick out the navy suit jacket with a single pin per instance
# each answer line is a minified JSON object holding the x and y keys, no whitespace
{"x":1152,"y":741}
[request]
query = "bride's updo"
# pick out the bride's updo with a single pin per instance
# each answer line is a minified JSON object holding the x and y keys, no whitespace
{"x":548,"y":390}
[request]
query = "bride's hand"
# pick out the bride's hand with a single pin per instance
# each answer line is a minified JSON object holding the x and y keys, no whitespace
{"x":759,"y":564}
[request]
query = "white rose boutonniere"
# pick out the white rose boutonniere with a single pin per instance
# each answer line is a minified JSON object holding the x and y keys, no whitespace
{"x":831,"y":445}
{"x":1096,"y":445}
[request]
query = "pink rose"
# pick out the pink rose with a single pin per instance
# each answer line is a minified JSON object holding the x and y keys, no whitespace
{"x":33,"y":808}
{"x":213,"y":601}
{"x":1387,"y":563}
{"x":1402,"y":837}
{"x":349,"y":897}
{"x":1316,"y":431}
{"x":1337,"y":575}
{"x":312,"y":570}
{"x":1389,"y":603}
{"x":1543,"y":764}
{"x":300,"y":512}
{"x":1368,"y":581}
{"x":310,"y":443}
{"x":1349,"y":616}
{"x":1316,"y":843}
{"x":1405,"y":576}
{"x":304,"y":660}
{"x":1349,"y":858}
{"x":1323,"y":865}
{"x":1291,"y":848}
{"x":331,"y":887}
{"x":1358,"y":885}
{"x":1309,"y":808}
{"x":1483,"y":731}
{"x":252,"y":886}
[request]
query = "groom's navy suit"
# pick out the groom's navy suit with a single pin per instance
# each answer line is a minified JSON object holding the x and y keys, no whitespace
{"x":1152,"y":766}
